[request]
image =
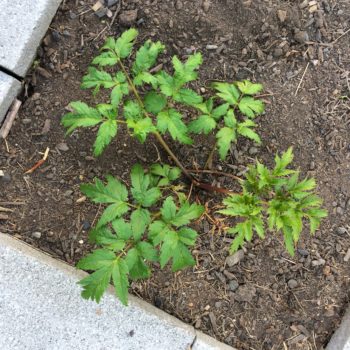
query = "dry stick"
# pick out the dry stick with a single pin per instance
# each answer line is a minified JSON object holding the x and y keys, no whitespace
{"x":346,"y":32}
{"x":302,"y":78}
{"x":214,"y":172}
{"x":10,"y":117}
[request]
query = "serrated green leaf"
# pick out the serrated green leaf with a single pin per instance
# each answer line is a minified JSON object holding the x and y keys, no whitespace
{"x":106,"y":59}
{"x":288,"y":239}
{"x":118,"y":92}
{"x":204,"y":124}
{"x":230,"y":119}
{"x":97,"y":78}
{"x":154,"y":102}
{"x":132,"y":110}
{"x":170,"y":120}
{"x":103,"y":236}
{"x":140,"y":219}
{"x":251,"y":107}
{"x":186,"y":213}
{"x":145,"y":77}
{"x":146,"y":56}
{"x":112,"y":212}
{"x":188,"y":97}
{"x":147,"y":251}
{"x":97,"y":259}
{"x":122,"y":229}
{"x":228,"y":92}
{"x":220,"y":111}
{"x":106,"y":132}
{"x":124,"y":44}
{"x":96,"y":284}
{"x":245,"y":130}
{"x":158,"y":230}
{"x":120,"y":280}
{"x":238,"y":240}
{"x":141,"y":128}
{"x":249,"y":88}
{"x":136,"y":265}
{"x":183,"y":258}
{"x":282,"y":162}
{"x":113,"y":192}
{"x":225,"y":137}
{"x":166,"y":83}
{"x":186,"y":72}
{"x":83,"y":116}
{"x":187,"y":236}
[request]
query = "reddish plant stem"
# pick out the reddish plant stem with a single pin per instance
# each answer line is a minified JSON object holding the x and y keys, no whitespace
{"x":160,"y":139}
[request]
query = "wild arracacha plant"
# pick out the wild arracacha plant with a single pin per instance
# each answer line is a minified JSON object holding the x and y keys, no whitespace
{"x":151,"y":222}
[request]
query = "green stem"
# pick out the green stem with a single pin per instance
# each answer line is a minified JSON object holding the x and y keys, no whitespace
{"x":157,"y":135}
{"x":193,"y":180}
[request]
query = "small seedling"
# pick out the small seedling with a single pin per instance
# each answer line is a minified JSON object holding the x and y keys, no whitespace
{"x":153,"y":225}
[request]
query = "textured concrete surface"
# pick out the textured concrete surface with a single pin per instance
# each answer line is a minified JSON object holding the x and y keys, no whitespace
{"x":9,"y":88}
{"x":41,"y":308}
{"x":23,"y":23}
{"x":341,"y":338}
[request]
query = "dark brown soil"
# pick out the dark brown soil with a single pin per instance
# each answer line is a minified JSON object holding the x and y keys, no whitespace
{"x":307,"y":87}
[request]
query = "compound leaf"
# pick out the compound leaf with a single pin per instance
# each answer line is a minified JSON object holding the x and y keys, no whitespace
{"x":228,"y":92}
{"x":204,"y":124}
{"x":225,"y":137}
{"x":82,"y":116}
{"x":154,"y":102}
{"x":251,"y":107}
{"x":249,"y":88}
{"x":170,"y":120}
{"x":140,"y":219}
{"x":105,"y":134}
{"x":120,"y":280}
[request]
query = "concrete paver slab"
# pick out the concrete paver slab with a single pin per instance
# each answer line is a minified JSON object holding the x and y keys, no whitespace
{"x":9,"y":88}
{"x":341,"y":338}
{"x":41,"y":308}
{"x":23,"y":23}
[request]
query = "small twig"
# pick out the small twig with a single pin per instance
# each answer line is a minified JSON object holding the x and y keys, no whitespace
{"x":302,"y":78}
{"x":6,"y":210}
{"x":116,"y":13}
{"x":209,"y":162}
{"x":10,"y":117}
{"x":40,"y":162}
{"x":12,"y":203}
{"x":214,"y":172}
{"x":339,"y":37}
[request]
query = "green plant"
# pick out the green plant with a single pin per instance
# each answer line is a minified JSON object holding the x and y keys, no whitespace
{"x":132,"y":235}
{"x":152,"y":227}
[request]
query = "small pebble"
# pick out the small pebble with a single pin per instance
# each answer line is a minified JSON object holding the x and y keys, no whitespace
{"x":5,"y":177}
{"x":211,"y":47}
{"x":62,"y":147}
{"x":253,"y":151}
{"x":318,"y":262}
{"x":128,"y":18}
{"x":233,"y":285}
{"x":36,"y":234}
{"x":301,"y":37}
{"x":235,"y":258}
{"x":340,"y":230}
{"x":292,"y":284}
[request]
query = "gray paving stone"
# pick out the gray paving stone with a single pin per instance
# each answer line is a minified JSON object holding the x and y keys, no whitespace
{"x":9,"y":88}
{"x":341,"y":338}
{"x":23,"y":23}
{"x":41,"y":308}
{"x":204,"y":342}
